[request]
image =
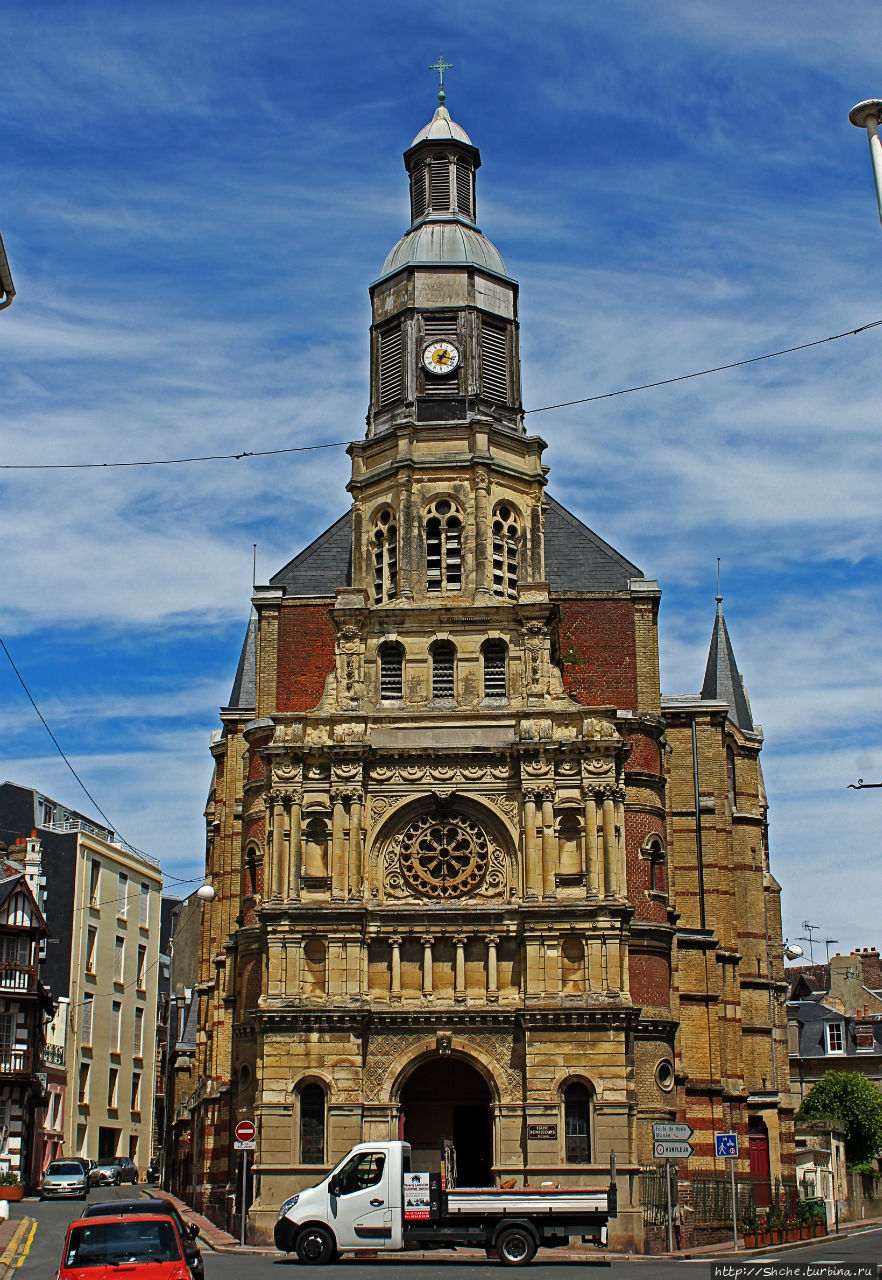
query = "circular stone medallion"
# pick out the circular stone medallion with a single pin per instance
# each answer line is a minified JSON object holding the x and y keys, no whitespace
{"x":443,"y":855}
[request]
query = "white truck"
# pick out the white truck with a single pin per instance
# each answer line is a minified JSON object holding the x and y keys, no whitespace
{"x":373,"y":1201}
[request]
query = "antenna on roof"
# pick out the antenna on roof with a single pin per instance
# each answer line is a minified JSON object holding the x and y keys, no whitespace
{"x":807,"y":937}
{"x":828,"y":942}
{"x":719,"y":598}
{"x":253,"y":565}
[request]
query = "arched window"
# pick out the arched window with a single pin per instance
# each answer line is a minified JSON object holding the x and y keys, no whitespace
{"x":657,"y":870}
{"x":569,"y":843}
{"x":250,"y":871}
{"x":391,"y":672}
{"x":314,"y":980}
{"x":506,"y":552}
{"x":443,"y":548}
{"x":495,"y":655}
{"x":730,"y":779}
{"x":385,"y":552}
{"x":443,"y":671}
{"x":572,"y":965}
{"x":312,"y":1124}
{"x":315,"y":848}
{"x":577,"y":1124}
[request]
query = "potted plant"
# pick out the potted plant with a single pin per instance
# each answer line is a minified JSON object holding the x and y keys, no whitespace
{"x":10,"y":1187}
{"x":747,"y":1226}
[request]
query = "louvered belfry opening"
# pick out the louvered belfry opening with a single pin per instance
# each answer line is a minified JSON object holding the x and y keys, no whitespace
{"x":443,"y":548}
{"x":495,"y":653}
{"x":439,"y":183}
{"x":465,"y":203}
{"x":506,"y":552}
{"x":390,"y":365}
{"x":391,"y":672}
{"x":385,"y":553}
{"x":435,"y":327}
{"x":494,"y":362}
{"x":443,"y":663}
{"x":419,"y":203}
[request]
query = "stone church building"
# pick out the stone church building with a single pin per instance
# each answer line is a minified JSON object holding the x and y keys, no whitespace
{"x":476,"y":878}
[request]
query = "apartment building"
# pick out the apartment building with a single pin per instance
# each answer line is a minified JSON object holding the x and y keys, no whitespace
{"x":102,"y":904}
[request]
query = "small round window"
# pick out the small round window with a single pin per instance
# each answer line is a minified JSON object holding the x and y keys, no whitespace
{"x":664,"y":1074}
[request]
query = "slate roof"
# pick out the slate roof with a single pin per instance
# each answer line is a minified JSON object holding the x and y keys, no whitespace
{"x":722,"y":682}
{"x":576,"y":559}
{"x":244,"y":691}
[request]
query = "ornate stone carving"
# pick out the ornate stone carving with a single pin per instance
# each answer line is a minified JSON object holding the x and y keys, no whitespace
{"x":347,"y":733}
{"x":382,"y":1052}
{"x":444,"y":855}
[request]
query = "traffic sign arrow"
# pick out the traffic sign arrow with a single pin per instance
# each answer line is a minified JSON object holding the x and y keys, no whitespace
{"x":671,"y":1132}
{"x":672,"y":1150}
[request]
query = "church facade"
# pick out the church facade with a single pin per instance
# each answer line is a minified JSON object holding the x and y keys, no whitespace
{"x":475,"y":877}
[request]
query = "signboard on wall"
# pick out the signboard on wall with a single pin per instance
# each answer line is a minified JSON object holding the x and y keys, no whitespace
{"x":546,"y":1131}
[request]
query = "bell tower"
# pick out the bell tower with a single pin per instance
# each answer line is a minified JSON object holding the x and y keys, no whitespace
{"x":447,"y":486}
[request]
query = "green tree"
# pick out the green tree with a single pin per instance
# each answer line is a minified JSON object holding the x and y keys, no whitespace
{"x":855,"y":1102}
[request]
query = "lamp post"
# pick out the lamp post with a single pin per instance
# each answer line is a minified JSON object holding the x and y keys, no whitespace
{"x":867,"y":115}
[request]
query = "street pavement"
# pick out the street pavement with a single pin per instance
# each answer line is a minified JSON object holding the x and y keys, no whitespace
{"x":31,"y":1244}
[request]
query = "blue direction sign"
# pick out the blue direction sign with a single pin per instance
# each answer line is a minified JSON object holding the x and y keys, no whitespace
{"x":727,"y":1145}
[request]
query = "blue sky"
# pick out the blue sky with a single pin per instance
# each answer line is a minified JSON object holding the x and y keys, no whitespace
{"x":195,"y":198}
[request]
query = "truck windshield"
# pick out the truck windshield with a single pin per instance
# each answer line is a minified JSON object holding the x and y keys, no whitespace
{"x":363,"y":1170}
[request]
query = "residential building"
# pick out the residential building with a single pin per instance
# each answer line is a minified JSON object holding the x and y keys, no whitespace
{"x":475,"y":877}
{"x":102,"y":903}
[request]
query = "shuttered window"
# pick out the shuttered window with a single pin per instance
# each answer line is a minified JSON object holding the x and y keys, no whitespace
{"x":418,"y":202}
{"x":494,"y":365}
{"x":443,"y":659}
{"x":390,"y":366}
{"x":495,"y":653}
{"x":443,"y":548}
{"x":464,"y":188}
{"x":506,"y":553}
{"x":391,"y":672}
{"x":385,"y":555}
{"x":439,"y":183}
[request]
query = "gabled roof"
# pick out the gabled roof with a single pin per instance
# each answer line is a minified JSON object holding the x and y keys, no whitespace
{"x":576,"y":559}
{"x":722,"y":682}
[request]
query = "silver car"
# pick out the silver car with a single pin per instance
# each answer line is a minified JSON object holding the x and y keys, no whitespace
{"x":64,"y":1178}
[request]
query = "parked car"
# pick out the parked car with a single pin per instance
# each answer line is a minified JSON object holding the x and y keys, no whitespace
{"x":187,"y":1231}
{"x":113,"y":1170}
{"x":64,"y":1178}
{"x":152,"y":1174}
{"x":147,"y":1246}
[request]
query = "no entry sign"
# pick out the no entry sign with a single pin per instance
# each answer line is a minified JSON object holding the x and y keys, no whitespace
{"x":245,"y":1132}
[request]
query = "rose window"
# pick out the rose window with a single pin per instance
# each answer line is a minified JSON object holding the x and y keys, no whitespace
{"x":443,"y":855}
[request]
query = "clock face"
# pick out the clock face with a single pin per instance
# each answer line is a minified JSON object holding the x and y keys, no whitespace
{"x":440,"y":357}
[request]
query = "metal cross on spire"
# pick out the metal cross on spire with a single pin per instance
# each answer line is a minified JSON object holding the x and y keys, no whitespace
{"x":441,"y":66}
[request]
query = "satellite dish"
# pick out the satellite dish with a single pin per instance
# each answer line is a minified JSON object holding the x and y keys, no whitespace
{"x":792,"y":951}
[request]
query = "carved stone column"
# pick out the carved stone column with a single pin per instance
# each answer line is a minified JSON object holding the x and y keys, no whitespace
{"x":428,"y":965}
{"x":610,"y":851}
{"x":338,"y":847}
{"x":407,"y":537}
{"x":277,"y":865}
{"x":355,"y":872}
{"x":592,"y":876}
{"x":531,"y":878}
{"x":595,"y":965}
{"x":621,"y":860}
{"x":395,"y":944}
{"x":548,"y":850}
{"x":492,"y":988}
{"x":295,"y":847}
{"x":459,"y":985}
{"x":483,"y":537}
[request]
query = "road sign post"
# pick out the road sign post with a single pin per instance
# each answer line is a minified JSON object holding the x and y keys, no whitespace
{"x":671,"y":1142}
{"x":245,"y":1138}
{"x":726,"y":1145}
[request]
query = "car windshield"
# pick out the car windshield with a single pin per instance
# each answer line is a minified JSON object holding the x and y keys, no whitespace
{"x":64,"y":1166}
{"x":109,"y":1243}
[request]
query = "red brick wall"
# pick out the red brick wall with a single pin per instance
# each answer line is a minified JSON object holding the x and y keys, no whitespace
{"x":249,"y":983}
{"x":599,"y":636}
{"x":650,"y":979}
{"x":305,"y":656}
{"x":645,"y":754}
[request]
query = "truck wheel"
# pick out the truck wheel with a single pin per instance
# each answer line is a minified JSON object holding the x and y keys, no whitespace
{"x":315,"y":1246}
{"x":515,"y":1246}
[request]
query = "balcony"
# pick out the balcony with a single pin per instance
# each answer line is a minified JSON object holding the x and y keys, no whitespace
{"x":15,"y":1062}
{"x":17,"y":979}
{"x":53,"y":1055}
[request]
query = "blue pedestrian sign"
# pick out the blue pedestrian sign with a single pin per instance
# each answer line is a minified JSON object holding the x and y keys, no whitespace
{"x":727,"y":1145}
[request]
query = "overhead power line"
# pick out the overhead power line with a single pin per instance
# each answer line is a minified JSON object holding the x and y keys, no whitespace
{"x":342,"y":444}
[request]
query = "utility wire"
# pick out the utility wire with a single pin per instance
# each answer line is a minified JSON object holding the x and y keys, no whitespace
{"x":342,"y":444}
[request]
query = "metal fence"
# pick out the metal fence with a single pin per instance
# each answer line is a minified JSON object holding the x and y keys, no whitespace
{"x":710,"y":1198}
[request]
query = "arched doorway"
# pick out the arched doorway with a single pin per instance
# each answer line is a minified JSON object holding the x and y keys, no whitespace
{"x":448,"y":1098}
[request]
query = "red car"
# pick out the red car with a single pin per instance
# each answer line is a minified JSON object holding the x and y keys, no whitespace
{"x":140,"y":1245}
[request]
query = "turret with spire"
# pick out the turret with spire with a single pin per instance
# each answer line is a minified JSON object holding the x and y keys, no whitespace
{"x":722,"y":679}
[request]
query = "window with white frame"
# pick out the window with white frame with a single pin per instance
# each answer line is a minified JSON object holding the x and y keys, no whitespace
{"x":115,"y":1019}
{"x":835,"y":1032}
{"x":122,"y":895}
{"x":142,"y":966}
{"x":138,"y":1033}
{"x":119,"y":950}
{"x":145,"y":905}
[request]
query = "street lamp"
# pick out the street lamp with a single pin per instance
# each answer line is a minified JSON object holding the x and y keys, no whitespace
{"x":867,"y":115}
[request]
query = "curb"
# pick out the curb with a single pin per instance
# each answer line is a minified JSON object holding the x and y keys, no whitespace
{"x":10,"y":1256}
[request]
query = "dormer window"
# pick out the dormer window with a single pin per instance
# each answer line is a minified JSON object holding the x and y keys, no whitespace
{"x":443,"y":548}
{"x":506,"y":552}
{"x":835,"y":1032}
{"x":385,"y":557}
